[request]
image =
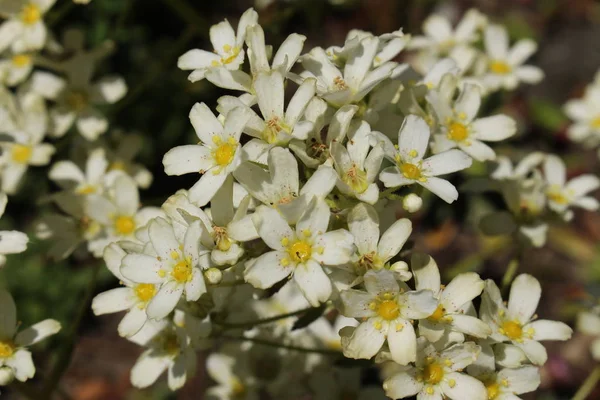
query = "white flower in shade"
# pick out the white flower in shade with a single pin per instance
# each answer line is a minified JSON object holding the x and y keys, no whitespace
{"x":287,"y":300}
{"x":279,"y":187}
{"x":410,"y":167}
{"x":357,"y":167}
{"x":588,"y":322}
{"x":562,"y":194}
{"x":120,"y":214}
{"x":233,"y":380}
{"x":435,"y":76}
{"x":16,"y":68}
{"x":336,"y":383}
{"x":388,"y":308}
{"x":440,"y":38}
{"x":458,"y":125}
{"x":15,"y":359}
{"x":327,"y":334}
{"x":520,"y":171}
{"x":132,"y":297}
{"x":358,"y":78}
{"x":453,"y":299}
{"x":516,"y":322}
{"x":170,"y":350}
{"x":228,"y":48}
{"x":217,"y":155}
{"x":11,"y":242}
{"x":122,"y":158}
{"x":26,"y":125}
{"x":505,"y":69}
{"x":276,"y":126}
{"x":76,"y":101}
{"x":373,"y":252}
{"x":91,"y":181}
{"x":506,"y":383}
{"x":438,"y":375}
{"x":24,"y":29}
{"x":299,"y":252}
{"x":170,"y":262}
{"x":585,"y":113}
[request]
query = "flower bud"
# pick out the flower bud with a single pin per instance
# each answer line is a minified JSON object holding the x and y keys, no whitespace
{"x":6,"y":376}
{"x":213,"y":275}
{"x":412,"y":203}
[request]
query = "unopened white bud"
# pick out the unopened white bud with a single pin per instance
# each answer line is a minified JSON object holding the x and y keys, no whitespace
{"x":213,"y":275}
{"x":6,"y":376}
{"x":400,"y":268}
{"x":412,"y":203}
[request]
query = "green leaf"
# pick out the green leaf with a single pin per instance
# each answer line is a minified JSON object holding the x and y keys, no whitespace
{"x":309,"y":317}
{"x":547,"y":114}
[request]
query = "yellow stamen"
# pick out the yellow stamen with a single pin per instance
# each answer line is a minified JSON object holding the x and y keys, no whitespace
{"x":356,"y":178}
{"x":512,"y":329}
{"x":31,"y":14}
{"x":21,"y":153}
{"x":500,"y":67}
{"x":433,"y":373}
{"x":457,"y":132}
{"x":182,"y":271}
{"x":6,"y":349}
{"x":124,"y":225}
{"x":493,"y":389}
{"x":224,"y":154}
{"x":21,"y":60}
{"x":438,"y":314}
{"x":300,"y":251}
{"x":388,"y":310}
{"x":410,"y":171}
{"x":145,"y":291}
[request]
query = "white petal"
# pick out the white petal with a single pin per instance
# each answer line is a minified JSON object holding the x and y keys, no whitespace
{"x":494,"y":128}
{"x":465,"y":387}
{"x":111,"y":89}
{"x":164,"y":302}
{"x":197,"y":59}
{"x":12,"y":242}
{"x":271,"y":227}
{"x":315,"y":218}
{"x":381,"y":281}
{"x":203,"y":191}
{"x":521,"y":380}
{"x":205,"y":123}
{"x":496,"y":42}
{"x":549,"y":330}
{"x":393,"y":239}
{"x":356,"y":303}
{"x":441,"y":188}
{"x":462,"y":289}
{"x":521,"y":51}
{"x":364,"y":225}
{"x":22,"y":364}
{"x":37,"y":332}
{"x":186,"y":159}
{"x":426,"y":272}
{"x":196,"y":287}
{"x":141,"y":268}
{"x":365,"y":342}
{"x":163,"y":238}
{"x":91,"y":124}
{"x":529,"y":74}
{"x":413,"y":138}
{"x":132,"y":322}
{"x":113,"y":301}
{"x":402,"y":341}
{"x":313,"y":282}
{"x":403,"y":384}
{"x":417,"y":304}
{"x":337,"y":247}
{"x":535,"y":351}
{"x":446,"y":162}
{"x":148,"y":368}
{"x":471,"y":326}
{"x":267,"y":270}
{"x":8,"y":315}
{"x":525,"y":294}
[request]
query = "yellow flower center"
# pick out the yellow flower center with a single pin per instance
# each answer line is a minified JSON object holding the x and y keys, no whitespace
{"x":86,"y":189}
{"x":238,"y":390}
{"x":433,"y":373}
{"x":410,"y":171}
{"x":370,"y":261}
{"x":356,"y":178}
{"x":225,"y":151}
{"x":182,"y":271}
{"x":438,"y":314}
{"x":31,"y":14}
{"x":388,"y":310}
{"x":124,"y":225}
{"x":493,"y":389}
{"x":512,"y":330}
{"x":145,"y":291}
{"x":231,"y":52}
{"x":300,"y":251}
{"x":21,"y":153}
{"x":595,"y":123}
{"x":500,"y":67}
{"x":21,"y":60}
{"x":339,"y":83}
{"x":273,"y":128}
{"x":556,"y":195}
{"x":457,"y":132}
{"x":117,"y":166}
{"x":77,"y":100}
{"x":6,"y":349}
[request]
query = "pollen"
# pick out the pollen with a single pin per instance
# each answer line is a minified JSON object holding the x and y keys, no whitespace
{"x":410,"y":171}
{"x":145,"y":291}
{"x":21,"y":60}
{"x":512,"y":330}
{"x":438,"y":314}
{"x":493,"y":389}
{"x":224,"y":154}
{"x":86,"y":189}
{"x":21,"y":153}
{"x":124,"y":225}
{"x":300,"y":251}
{"x":500,"y":67}
{"x":388,"y":310}
{"x":221,"y":238}
{"x":595,"y":123}
{"x":457,"y":132}
{"x":30,"y":14}
{"x":556,"y":195}
{"x":433,"y":373}
{"x":232,"y":53}
{"x":339,"y":83}
{"x":6,"y":349}
{"x":182,"y":271}
{"x":356,"y":178}
{"x":274,"y":126}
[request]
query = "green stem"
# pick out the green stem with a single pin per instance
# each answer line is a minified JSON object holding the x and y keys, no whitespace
{"x":250,"y":324}
{"x":66,"y":351}
{"x":588,"y":385}
{"x":513,"y":266}
{"x":282,"y":346}
{"x":388,"y":192}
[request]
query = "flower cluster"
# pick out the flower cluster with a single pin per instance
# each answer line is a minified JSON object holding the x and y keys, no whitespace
{"x":585,"y":115}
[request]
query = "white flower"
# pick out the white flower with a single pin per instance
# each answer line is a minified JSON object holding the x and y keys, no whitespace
{"x":76,"y":101}
{"x":562,"y":194}
{"x":24,"y":29}
{"x":133,"y":297}
{"x":15,"y":359}
{"x":516,"y":322}
{"x":412,"y":203}
{"x":355,"y":82}
{"x":452,"y":301}
{"x":216,"y":156}
{"x":505,"y":69}
{"x":327,"y":334}
{"x":228,"y":48}
{"x":373,"y":252}
{"x":437,"y":375}
{"x":357,"y":167}
{"x":588,"y":322}
{"x":16,"y":68}
{"x":122,"y":157}
{"x":170,"y":350}
{"x":279,"y":187}
{"x":233,"y":380}
{"x":300,"y":252}
{"x":27,"y":126}
{"x":329,"y":383}
{"x":506,"y":170}
{"x":459,"y":127}
{"x":171,"y":262}
{"x":11,"y":242}
{"x":388,"y":307}
{"x":67,"y":174}
{"x":585,"y":113}
{"x":410,"y":167}
{"x":287,"y":300}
